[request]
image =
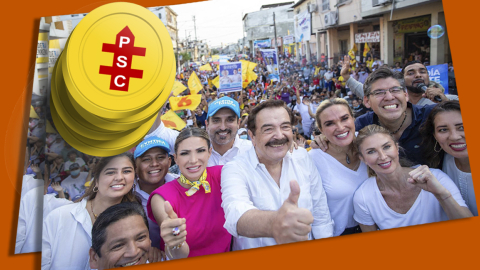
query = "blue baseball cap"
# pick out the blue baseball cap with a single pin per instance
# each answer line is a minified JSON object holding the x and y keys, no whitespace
{"x":150,"y":143}
{"x":224,"y":102}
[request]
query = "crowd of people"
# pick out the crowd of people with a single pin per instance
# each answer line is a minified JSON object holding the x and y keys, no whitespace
{"x":324,"y":151}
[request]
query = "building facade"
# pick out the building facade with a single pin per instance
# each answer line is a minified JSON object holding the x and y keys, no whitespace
{"x":395,"y":30}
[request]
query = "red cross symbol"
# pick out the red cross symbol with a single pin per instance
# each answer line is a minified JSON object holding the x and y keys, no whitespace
{"x":123,"y":50}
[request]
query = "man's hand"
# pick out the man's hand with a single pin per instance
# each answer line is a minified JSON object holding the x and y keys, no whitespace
{"x":321,"y":142}
{"x":345,"y":71}
{"x":431,"y":92}
{"x":155,"y":255}
{"x":292,"y":224}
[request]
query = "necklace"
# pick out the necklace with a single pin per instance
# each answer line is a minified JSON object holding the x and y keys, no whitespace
{"x":401,"y":125}
{"x":91,"y":208}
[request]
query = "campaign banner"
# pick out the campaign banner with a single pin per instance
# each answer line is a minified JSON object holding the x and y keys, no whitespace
{"x":302,"y":27}
{"x":439,"y":74}
{"x":230,"y":77}
{"x":288,"y":39}
{"x":367,"y":37}
{"x":223,"y":58}
{"x":270,"y":60}
{"x":265,"y":43}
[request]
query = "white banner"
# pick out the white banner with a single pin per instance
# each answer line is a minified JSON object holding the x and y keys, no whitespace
{"x":288,"y":39}
{"x":302,"y":27}
{"x":367,"y":37}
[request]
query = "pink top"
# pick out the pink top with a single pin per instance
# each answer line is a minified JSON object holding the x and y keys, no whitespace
{"x":203,"y":213}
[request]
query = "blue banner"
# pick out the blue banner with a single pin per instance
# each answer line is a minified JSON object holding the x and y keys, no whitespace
{"x":439,"y":74}
{"x":230,"y":76}
{"x":270,"y":60}
{"x":266,"y":43}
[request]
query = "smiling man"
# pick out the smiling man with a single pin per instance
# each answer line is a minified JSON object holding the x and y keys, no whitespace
{"x":223,"y":120}
{"x":152,"y":163}
{"x":414,"y":73}
{"x":385,"y":94}
{"x":120,"y":237}
{"x":271,"y":196}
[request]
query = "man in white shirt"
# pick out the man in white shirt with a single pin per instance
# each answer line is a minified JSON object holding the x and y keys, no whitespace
{"x":152,"y":163}
{"x":74,"y":184}
{"x":307,"y":113}
{"x":271,"y":196}
{"x":222,"y":123}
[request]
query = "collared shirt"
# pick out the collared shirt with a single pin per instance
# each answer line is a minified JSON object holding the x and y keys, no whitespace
{"x":246,"y":185}
{"x":153,"y":227}
{"x":239,"y":145}
{"x":30,"y":219}
{"x":411,"y":139}
{"x":67,"y":237}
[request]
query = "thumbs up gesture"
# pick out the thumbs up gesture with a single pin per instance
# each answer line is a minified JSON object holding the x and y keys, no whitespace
{"x":292,"y":224}
{"x":173,"y":229}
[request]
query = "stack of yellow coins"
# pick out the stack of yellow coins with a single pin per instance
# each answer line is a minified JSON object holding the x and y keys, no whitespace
{"x":112,"y":78}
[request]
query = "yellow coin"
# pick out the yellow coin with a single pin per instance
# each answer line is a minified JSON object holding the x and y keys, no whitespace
{"x":126,"y":122}
{"x":118,"y":60}
{"x":86,"y":119}
{"x":99,"y":148}
{"x":72,"y":118}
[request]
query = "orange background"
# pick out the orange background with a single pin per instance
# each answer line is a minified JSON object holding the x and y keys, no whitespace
{"x":445,"y":244}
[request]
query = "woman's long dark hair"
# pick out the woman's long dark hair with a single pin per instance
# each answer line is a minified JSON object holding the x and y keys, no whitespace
{"x":429,"y":143}
{"x":90,"y":194}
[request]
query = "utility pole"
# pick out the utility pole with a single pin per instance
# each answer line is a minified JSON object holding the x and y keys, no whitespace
{"x":275,"y":30}
{"x":195,"y":44}
{"x":195,"y":26}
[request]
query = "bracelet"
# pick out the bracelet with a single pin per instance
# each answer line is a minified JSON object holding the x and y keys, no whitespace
{"x":447,"y":197}
{"x":167,"y":249}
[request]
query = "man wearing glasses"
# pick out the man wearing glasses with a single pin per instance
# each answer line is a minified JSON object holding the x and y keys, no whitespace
{"x":386,"y":95}
{"x":414,"y":74}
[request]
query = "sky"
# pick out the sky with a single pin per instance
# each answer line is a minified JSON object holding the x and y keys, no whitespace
{"x":217,"y":21}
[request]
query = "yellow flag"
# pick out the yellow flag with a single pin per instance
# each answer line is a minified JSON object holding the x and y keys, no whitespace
{"x":353,"y":51}
{"x":317,"y":69}
{"x":33,"y":113}
{"x":251,"y":76}
{"x":366,"y":49}
{"x":178,"y":88}
{"x":194,"y":83}
{"x":189,"y":102}
{"x":171,"y":120}
{"x":206,"y":67}
{"x":49,"y":128}
{"x":216,"y":82}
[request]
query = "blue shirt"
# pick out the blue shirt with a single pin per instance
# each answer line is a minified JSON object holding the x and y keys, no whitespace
{"x":411,"y":139}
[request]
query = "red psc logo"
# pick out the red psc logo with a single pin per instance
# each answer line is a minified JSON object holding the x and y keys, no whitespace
{"x":123,"y":51}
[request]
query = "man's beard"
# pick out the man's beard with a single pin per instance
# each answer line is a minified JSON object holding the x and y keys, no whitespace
{"x":414,"y":89}
{"x":216,"y":140}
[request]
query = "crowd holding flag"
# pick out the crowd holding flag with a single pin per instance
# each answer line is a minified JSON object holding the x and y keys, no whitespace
{"x":194,"y":83}
{"x":178,"y":88}
{"x":171,"y":120}
{"x":189,"y":102}
{"x":366,"y":50}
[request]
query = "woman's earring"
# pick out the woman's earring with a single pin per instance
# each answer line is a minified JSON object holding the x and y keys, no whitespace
{"x":95,"y":189}
{"x":435,"y":147}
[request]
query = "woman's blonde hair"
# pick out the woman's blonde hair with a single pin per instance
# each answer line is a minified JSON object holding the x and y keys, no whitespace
{"x":327,"y":104}
{"x":370,"y":130}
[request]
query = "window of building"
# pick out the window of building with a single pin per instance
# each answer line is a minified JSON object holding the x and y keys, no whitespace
{"x":325,"y":5}
{"x":376,"y":27}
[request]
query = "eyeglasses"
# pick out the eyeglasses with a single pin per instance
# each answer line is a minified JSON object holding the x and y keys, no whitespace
{"x":381,"y":92}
